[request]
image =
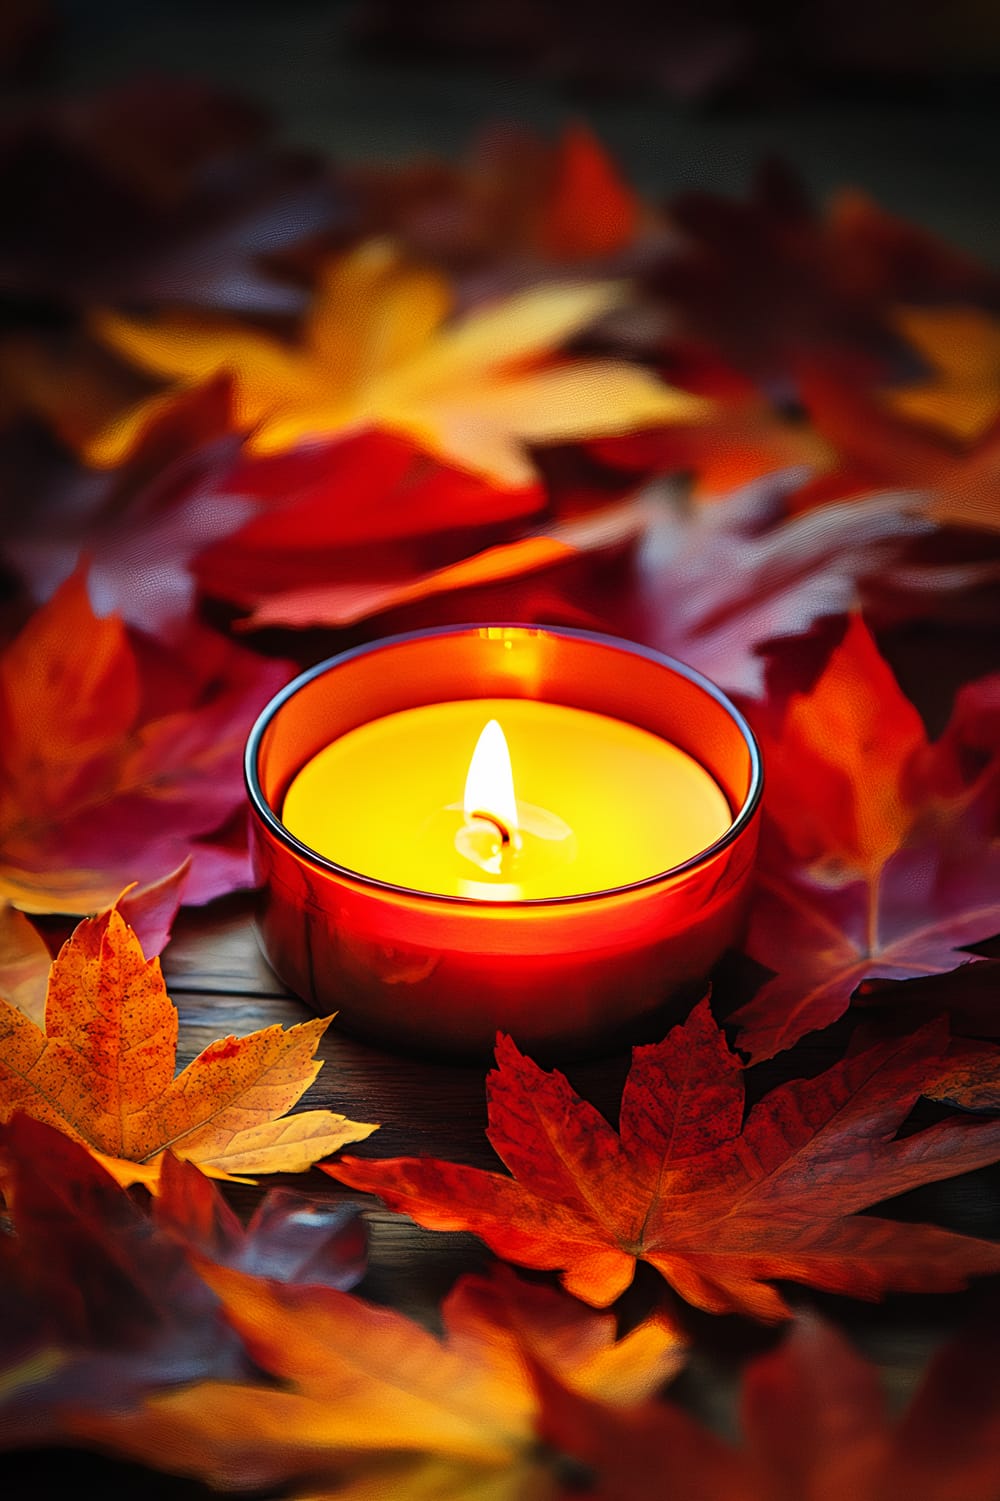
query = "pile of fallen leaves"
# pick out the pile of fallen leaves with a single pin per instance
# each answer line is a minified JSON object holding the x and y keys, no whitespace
{"x":256,"y":407}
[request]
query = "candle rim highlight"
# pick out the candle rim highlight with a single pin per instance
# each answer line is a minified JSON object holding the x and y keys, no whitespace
{"x":269,"y":816}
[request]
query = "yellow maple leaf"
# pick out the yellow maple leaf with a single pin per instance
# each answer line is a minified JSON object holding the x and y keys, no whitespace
{"x":962,"y":345}
{"x":102,"y":1071}
{"x":381,"y":348}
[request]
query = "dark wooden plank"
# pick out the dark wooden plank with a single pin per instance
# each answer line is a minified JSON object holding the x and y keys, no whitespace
{"x":214,"y":949}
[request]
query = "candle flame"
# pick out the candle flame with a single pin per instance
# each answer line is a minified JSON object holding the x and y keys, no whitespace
{"x":489,"y":786}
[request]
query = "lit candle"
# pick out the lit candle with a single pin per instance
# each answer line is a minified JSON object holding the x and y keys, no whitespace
{"x":566,"y":899}
{"x":600,"y":803}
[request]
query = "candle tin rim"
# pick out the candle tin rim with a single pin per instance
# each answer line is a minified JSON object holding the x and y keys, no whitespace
{"x":263,"y":810}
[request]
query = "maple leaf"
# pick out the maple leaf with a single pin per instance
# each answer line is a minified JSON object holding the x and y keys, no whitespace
{"x":360,"y":519}
{"x":120,"y":757}
{"x":25,"y":960}
{"x":721,"y":1207}
{"x":954,"y":479}
{"x":815,"y":1425}
{"x":514,"y":198}
{"x":377,"y":1404}
{"x":308,"y":560}
{"x":140,"y":525}
{"x":962,"y":347}
{"x":103,"y":1071}
{"x":97,"y":1305}
{"x":291,"y":1237}
{"x":158,"y":190}
{"x":878,"y":856}
{"x":378,"y":349}
{"x":713,"y":583}
{"x":774,"y":280}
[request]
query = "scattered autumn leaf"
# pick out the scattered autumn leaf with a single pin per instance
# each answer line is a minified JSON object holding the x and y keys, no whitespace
{"x":961,"y":345}
{"x":816,"y":1427}
{"x":103,"y":1072}
{"x":120,"y":757}
{"x":514,"y":197}
{"x":722,"y":1207}
{"x":773,"y":280}
{"x":714,"y":583}
{"x":878,"y":857}
{"x":24,"y":955}
{"x":378,"y":349}
{"x":156,"y":191}
{"x":955,"y":480}
{"x":97,"y":1305}
{"x":138,"y":526}
{"x":373,"y":1403}
{"x":291,"y":1237}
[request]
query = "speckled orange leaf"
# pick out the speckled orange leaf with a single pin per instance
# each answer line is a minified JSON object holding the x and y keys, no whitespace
{"x":379,"y":350}
{"x":372,"y":1404}
{"x":103,"y":1071}
{"x":721,"y":1205}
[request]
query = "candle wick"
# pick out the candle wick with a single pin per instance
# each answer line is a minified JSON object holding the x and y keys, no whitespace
{"x":498,"y":824}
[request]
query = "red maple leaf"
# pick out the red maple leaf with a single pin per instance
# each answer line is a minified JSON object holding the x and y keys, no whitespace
{"x":721,"y":1206}
{"x":516,"y":199}
{"x":879,"y":855}
{"x":815,"y":1426}
{"x":121,"y":757}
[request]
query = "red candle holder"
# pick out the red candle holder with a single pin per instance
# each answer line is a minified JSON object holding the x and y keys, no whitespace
{"x":429,"y":973}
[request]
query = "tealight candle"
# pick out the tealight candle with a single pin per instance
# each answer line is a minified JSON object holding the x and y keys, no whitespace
{"x":601,"y":803}
{"x":543,"y":831}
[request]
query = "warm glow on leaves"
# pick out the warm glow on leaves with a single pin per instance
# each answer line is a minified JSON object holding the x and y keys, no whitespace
{"x":722,"y":1207}
{"x":103,"y":1071}
{"x":879,"y":857}
{"x":373,"y":1399}
{"x":380,"y":350}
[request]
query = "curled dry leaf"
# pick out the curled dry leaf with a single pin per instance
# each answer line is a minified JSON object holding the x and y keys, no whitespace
{"x":373,"y":1404}
{"x":816,"y":1427}
{"x":722,"y":1207}
{"x":103,"y":1072}
{"x":120,"y":758}
{"x":379,"y":349}
{"x":880,"y":857}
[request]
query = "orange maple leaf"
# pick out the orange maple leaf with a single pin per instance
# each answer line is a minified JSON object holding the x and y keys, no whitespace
{"x":721,"y":1207}
{"x":381,"y":349}
{"x":102,"y":1071}
{"x":962,"y":347}
{"x":371,"y":1401}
